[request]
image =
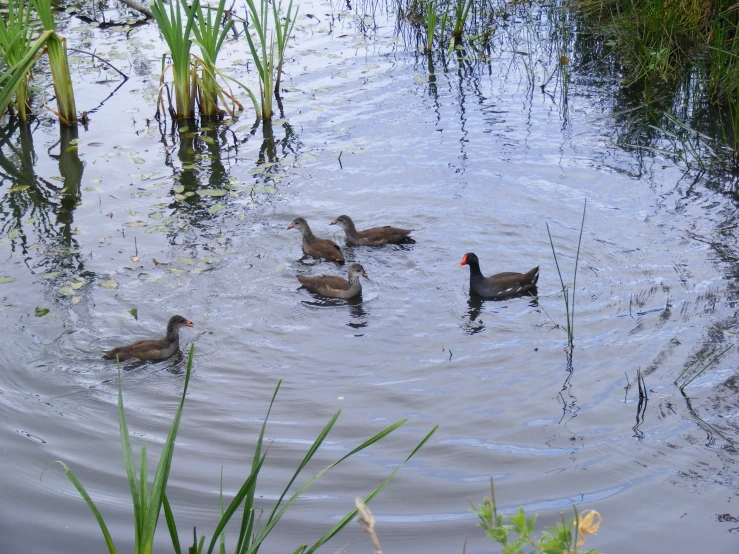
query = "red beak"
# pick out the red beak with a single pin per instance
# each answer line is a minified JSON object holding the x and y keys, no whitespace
{"x":464,"y":261}
{"x":189,"y":323}
{"x":333,"y":222}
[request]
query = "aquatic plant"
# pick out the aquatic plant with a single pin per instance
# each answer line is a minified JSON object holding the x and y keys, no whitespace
{"x":461,"y":9}
{"x":569,"y":300}
{"x":272,"y":45}
{"x":516,"y":535}
{"x":176,"y":31}
{"x":15,"y":43}
{"x":13,"y":76}
{"x":432,"y":7}
{"x":149,"y":501}
{"x":209,"y":36}
{"x":56,"y":49}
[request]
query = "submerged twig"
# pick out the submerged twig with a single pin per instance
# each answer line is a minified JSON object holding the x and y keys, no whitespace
{"x":138,"y":7}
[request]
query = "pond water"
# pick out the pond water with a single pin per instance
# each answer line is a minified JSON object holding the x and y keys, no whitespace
{"x":475,"y":160}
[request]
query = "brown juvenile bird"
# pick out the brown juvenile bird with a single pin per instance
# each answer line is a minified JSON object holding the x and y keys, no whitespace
{"x":500,"y":285}
{"x":376,"y":236}
{"x":151,"y":350}
{"x":313,"y":246}
{"x":333,"y":286}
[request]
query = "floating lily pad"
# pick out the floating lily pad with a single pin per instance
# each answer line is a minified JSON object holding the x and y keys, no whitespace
{"x":179,"y":197}
{"x":184,"y":129}
{"x":212,"y":192}
{"x":176,"y":271}
{"x":76,"y":299}
{"x":108,"y":284}
{"x":207,"y":140}
{"x":138,"y":160}
{"x":156,"y":216}
{"x":183,"y":260}
{"x":136,"y":224}
{"x":216,"y":208}
{"x":77,"y":285}
{"x":15,"y":233}
{"x":67,"y":291}
{"x":50,"y":275}
{"x":134,"y":312}
{"x":41,"y":312}
{"x":6,"y":279}
{"x":19,"y":188}
{"x":179,"y":188}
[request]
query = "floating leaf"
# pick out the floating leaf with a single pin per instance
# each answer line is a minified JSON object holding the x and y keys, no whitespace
{"x":108,"y":284}
{"x":212,"y":192}
{"x":134,"y":259}
{"x":209,"y":260}
{"x":183,"y":260}
{"x":157,"y":262}
{"x":179,"y":197}
{"x":41,"y":312}
{"x":156,"y":216}
{"x":19,"y":188}
{"x":136,"y":224}
{"x":50,"y":275}
{"x":77,"y":285}
{"x":67,"y":291}
{"x":216,"y":208}
{"x":14,"y":234}
{"x":6,"y":279}
{"x":76,"y":299}
{"x":134,"y":312}
{"x":184,"y":129}
{"x":179,"y":188}
{"x":207,"y":140}
{"x":176,"y":271}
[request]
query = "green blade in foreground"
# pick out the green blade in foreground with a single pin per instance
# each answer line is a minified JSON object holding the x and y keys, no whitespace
{"x":91,"y":505}
{"x":130,"y":466}
{"x":346,"y":519}
{"x":169,"y":516}
{"x":162,"y":473}
{"x":270,"y":524}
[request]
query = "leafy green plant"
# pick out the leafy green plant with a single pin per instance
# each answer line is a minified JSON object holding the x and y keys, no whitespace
{"x":149,"y":501}
{"x":268,"y":47}
{"x":432,"y":8}
{"x":516,"y":535}
{"x":252,"y":532}
{"x":461,"y":9}
{"x":56,"y":49}
{"x":15,"y":43}
{"x":176,"y":31}
{"x":209,"y":36}
{"x":14,"y":75}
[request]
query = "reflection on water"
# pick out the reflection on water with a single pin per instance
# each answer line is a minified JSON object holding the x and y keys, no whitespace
{"x":476,"y":304}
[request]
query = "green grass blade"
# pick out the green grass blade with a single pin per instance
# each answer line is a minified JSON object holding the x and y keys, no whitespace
{"x":220,"y":498}
{"x":577,"y":261}
{"x":235,"y":503}
{"x":165,"y":461}
{"x":308,"y":455}
{"x":169,"y":516}
{"x":130,"y":466}
{"x":278,"y":515}
{"x":91,"y":505}
{"x":346,"y":519}
{"x":143,"y":479}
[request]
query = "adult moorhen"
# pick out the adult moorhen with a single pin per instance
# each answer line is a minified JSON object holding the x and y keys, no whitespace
{"x":335,"y":287}
{"x":313,"y":246}
{"x":376,"y":236}
{"x":500,"y":285}
{"x":150,"y":350}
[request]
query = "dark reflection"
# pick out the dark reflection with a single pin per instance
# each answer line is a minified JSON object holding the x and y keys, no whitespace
{"x":37,"y":214}
{"x":566,"y":396}
{"x":202,"y":154}
{"x":357,"y":308}
{"x":475,"y":304}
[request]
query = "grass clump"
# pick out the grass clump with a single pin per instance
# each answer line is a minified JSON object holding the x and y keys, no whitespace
{"x":253,"y":528}
{"x":15,"y":43}
{"x":268,"y":46}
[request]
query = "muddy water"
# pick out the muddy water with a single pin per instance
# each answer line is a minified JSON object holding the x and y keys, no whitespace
{"x":470,"y":157}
